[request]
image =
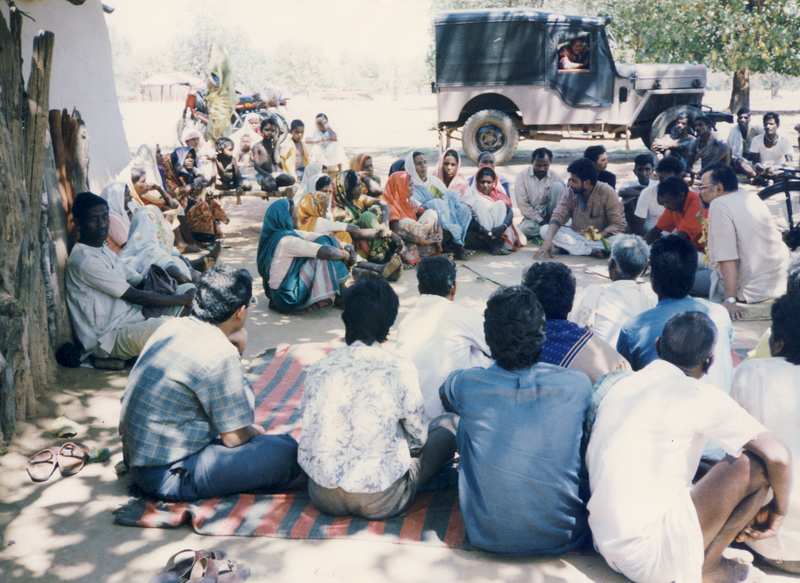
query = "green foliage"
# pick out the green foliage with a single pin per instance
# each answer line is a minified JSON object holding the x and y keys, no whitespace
{"x":726,"y":35}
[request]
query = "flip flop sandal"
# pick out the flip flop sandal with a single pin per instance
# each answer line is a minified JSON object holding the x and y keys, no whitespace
{"x":42,"y":464}
{"x":71,"y":458}
{"x":207,"y":569}
{"x":179,"y":571}
{"x":235,"y":573}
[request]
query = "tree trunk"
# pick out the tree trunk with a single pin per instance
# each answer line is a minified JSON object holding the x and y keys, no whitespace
{"x":740,"y":93}
{"x":24,"y":336}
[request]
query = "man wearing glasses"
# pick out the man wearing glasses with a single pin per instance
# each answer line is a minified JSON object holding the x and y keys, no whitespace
{"x":187,"y":421}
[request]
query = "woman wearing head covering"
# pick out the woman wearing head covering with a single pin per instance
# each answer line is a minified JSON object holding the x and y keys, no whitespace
{"x":221,"y":96}
{"x":115,"y":194}
{"x":250,"y":129}
{"x":417,"y":227}
{"x":365,"y":212}
{"x":492,"y":210}
{"x":312,"y":173}
{"x":448,"y":171}
{"x":203,"y":213}
{"x":300,"y":270}
{"x":454,"y":216}
{"x":398,"y":165}
{"x":370,"y":184}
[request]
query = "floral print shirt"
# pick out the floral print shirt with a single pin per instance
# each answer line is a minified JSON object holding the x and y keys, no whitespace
{"x":362,"y":414}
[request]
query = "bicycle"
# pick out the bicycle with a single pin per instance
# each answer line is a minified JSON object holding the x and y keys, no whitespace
{"x":786,"y":183}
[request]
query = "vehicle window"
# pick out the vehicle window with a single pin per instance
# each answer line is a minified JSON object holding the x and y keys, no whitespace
{"x":573,"y":55}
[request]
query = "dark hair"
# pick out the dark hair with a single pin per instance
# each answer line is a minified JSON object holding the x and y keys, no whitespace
{"x":672,"y":164}
{"x":83,"y":203}
{"x":483,"y":154}
{"x":771,"y":115}
{"x":436,"y":276}
{"x":485,"y":171}
{"x":673,"y":263}
{"x":415,"y":154}
{"x":222,"y":142}
{"x":643,"y":160}
{"x":593,"y":153}
{"x":683,"y":115}
{"x":786,"y":325}
{"x":221,"y":291}
{"x":542,"y":153}
{"x":319,"y":115}
{"x":584,"y":169}
{"x":514,"y":327}
{"x":554,"y":286}
{"x":793,"y":273}
{"x":742,"y":111}
{"x":453,"y":153}
{"x":322,"y":182}
{"x":136,"y":174}
{"x":673,"y":186}
{"x":296,"y":123}
{"x":724,"y":175}
{"x":370,"y":309}
{"x":705,"y":119}
{"x":350,"y":181}
{"x":688,"y":340}
{"x":269,"y":120}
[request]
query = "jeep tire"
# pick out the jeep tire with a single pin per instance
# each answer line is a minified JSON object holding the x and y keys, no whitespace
{"x":492,"y":131}
{"x":666,"y":119}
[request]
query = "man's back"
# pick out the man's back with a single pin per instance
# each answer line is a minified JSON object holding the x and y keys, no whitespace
{"x":440,"y":336}
{"x":519,"y":437}
{"x":637,"y":339}
{"x":604,"y":309}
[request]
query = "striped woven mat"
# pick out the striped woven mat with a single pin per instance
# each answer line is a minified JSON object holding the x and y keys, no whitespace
{"x":277,"y":379}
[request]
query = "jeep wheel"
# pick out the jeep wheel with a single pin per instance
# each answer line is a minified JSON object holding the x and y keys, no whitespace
{"x":492,"y":131}
{"x":666,"y":119}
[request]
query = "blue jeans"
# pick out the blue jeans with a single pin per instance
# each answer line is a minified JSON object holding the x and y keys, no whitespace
{"x":266,"y":461}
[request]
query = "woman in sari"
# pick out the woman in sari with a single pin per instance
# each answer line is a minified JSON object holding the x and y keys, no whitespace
{"x":221,"y":96}
{"x":370,"y":184}
{"x":448,"y":171}
{"x":312,"y":173}
{"x":203,"y":213}
{"x":454,"y":216}
{"x":314,"y":215}
{"x":365,"y":212}
{"x":492,"y":209}
{"x":417,"y":227}
{"x":119,"y":223}
{"x":301,"y":271}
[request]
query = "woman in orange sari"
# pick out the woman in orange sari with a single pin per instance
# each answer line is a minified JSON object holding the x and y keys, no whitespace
{"x":417,"y":227}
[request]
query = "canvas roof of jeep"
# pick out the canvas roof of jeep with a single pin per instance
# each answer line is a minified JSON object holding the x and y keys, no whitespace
{"x":511,"y":14}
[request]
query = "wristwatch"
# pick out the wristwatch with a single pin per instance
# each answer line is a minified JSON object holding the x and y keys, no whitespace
{"x":730,"y":300}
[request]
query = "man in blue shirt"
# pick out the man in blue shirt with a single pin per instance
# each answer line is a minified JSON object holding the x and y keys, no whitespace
{"x":519,"y":437}
{"x":673,"y":262}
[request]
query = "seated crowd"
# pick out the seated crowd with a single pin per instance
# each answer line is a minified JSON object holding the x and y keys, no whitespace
{"x":577,"y":415}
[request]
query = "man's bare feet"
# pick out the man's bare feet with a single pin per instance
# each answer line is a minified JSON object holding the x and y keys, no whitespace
{"x":730,"y":571}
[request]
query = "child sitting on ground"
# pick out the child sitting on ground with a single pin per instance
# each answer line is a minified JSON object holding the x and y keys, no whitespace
{"x":244,"y":157}
{"x":227,"y":175}
{"x":295,"y":155}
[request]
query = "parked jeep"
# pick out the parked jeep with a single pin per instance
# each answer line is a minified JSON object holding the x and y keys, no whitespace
{"x":506,"y":75}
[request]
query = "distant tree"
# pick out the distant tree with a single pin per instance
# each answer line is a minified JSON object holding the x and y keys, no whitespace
{"x":301,"y":67}
{"x":737,"y":36}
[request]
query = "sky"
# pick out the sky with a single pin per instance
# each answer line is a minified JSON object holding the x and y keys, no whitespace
{"x":385,"y":29}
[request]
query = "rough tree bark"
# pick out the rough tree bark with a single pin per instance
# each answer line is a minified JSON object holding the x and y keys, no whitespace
{"x":740,"y":93}
{"x":24,"y":337}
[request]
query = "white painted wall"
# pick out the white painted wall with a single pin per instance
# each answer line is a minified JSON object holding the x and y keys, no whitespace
{"x":82,"y":77}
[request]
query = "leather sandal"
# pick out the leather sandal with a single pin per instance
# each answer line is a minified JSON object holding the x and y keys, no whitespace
{"x":42,"y":464}
{"x":71,"y":458}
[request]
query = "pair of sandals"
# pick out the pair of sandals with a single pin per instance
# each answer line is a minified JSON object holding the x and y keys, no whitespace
{"x":69,"y":459}
{"x":202,"y":567}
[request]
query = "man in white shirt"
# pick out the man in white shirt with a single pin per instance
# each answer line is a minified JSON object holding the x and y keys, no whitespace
{"x":438,"y":335}
{"x":743,"y":241}
{"x":648,"y":211}
{"x":366,"y":444}
{"x":537,"y":190}
{"x":603,"y":309}
{"x":647,"y":519}
{"x":769,"y":150}
{"x":630,"y":190}
{"x":102,"y":292}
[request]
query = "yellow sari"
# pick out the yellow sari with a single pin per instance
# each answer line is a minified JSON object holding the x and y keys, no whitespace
{"x":313,"y":206}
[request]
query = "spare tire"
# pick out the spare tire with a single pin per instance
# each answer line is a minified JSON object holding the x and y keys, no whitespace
{"x":490,"y":130}
{"x":666,"y":119}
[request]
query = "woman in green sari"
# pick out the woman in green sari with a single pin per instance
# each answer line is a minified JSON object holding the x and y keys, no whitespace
{"x":221,"y":96}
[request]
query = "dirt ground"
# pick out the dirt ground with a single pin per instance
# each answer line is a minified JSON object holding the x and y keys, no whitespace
{"x":62,"y":530}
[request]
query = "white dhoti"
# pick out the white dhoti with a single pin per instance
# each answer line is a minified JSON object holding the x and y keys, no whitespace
{"x":573,"y":242}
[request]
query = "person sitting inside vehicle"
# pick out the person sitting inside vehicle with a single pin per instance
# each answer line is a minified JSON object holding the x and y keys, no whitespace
{"x":682,"y":213}
{"x":648,"y":211}
{"x":519,"y":437}
{"x":648,"y":520}
{"x":187,"y":422}
{"x":567,"y":344}
{"x":366,"y":444}
{"x":603,"y":309}
{"x":767,"y":389}
{"x":439,"y":335}
{"x":591,"y":206}
{"x":295,"y":155}
{"x":599,"y":156}
{"x":574,"y":55}
{"x":267,"y":159}
{"x":227,"y":175}
{"x":770,"y":152}
{"x":103,"y":294}
{"x":677,"y":141}
{"x":493,"y":228}
{"x":708,"y":148}
{"x":537,"y":190}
